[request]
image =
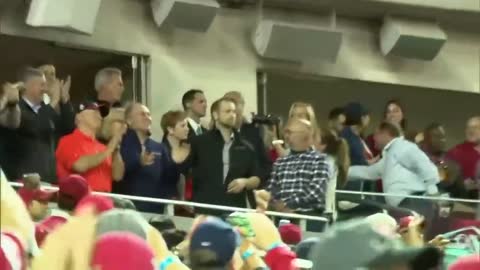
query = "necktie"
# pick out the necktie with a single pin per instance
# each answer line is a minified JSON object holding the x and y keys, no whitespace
{"x":199,"y":130}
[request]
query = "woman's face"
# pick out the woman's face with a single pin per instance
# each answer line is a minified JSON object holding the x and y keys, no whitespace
{"x":300,"y":113}
{"x":394,"y":114}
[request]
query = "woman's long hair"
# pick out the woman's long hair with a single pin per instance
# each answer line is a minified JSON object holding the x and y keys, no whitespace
{"x":338,"y":149}
{"x":403,"y":123}
{"x":310,"y":117}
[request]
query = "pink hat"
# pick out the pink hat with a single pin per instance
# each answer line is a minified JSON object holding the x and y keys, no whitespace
{"x":74,"y":186}
{"x":291,"y":234}
{"x":466,"y":263}
{"x":122,"y":251}
{"x":12,"y":253}
{"x":100,"y":203}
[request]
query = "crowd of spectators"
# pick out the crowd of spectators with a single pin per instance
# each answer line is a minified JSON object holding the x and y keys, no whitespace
{"x":104,"y":145}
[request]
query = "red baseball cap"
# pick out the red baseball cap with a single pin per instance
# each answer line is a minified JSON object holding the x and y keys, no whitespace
{"x":99,"y":203}
{"x":291,"y":234}
{"x":74,"y":186}
{"x":40,"y":195}
{"x":122,"y":251}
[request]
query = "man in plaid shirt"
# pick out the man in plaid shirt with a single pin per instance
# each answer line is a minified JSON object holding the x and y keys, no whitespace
{"x":298,"y":182}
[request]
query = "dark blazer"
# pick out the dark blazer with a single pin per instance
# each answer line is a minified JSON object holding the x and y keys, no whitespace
{"x":206,"y":161}
{"x":31,"y":147}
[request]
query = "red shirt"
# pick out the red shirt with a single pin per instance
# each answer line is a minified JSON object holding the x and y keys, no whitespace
{"x":75,"y":145}
{"x":467,"y":157}
{"x":48,"y":225}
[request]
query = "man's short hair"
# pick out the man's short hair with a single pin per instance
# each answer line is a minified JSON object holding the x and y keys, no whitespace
{"x":431,"y":127}
{"x":28,"y":73}
{"x":170,"y":119}
{"x":392,"y":129}
{"x":189,"y":96}
{"x":104,"y":75}
{"x":335,"y":113}
{"x":216,"y":105}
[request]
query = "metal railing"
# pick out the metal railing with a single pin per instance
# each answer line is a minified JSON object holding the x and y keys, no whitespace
{"x":171,"y":203}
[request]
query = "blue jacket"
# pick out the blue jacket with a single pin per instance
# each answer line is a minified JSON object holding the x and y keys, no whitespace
{"x":158,"y":180}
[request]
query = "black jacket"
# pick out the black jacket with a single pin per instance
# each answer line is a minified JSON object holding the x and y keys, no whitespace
{"x":251,"y":133}
{"x":31,"y":147}
{"x":206,"y":161}
{"x":192,"y":134}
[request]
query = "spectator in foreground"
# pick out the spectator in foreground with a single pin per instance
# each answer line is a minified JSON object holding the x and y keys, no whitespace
{"x":30,"y":147}
{"x":404,"y":169}
{"x":224,"y":165}
{"x":71,"y":190}
{"x":80,"y":152}
{"x":36,"y":201}
{"x":299,"y":180}
{"x":467,"y":155}
{"x":336,"y":121}
{"x":369,"y":248}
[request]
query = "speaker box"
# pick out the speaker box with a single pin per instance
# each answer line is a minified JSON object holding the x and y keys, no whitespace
{"x":297,"y":37}
{"x":410,"y":38}
{"x":73,"y":15}
{"x":194,"y":15}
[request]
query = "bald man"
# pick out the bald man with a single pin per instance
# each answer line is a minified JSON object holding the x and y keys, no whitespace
{"x":299,"y":180}
{"x":467,"y":155}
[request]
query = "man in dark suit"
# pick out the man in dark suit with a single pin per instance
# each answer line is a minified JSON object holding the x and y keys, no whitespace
{"x":30,"y":148}
{"x":195,"y":105}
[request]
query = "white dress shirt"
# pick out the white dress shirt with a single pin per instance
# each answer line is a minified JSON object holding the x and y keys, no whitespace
{"x":195,"y":126}
{"x":404,"y":169}
{"x":34,"y":107}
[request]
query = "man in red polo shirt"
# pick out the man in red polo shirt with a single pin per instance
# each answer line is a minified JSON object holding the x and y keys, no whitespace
{"x":81,"y":153}
{"x":467,"y":155}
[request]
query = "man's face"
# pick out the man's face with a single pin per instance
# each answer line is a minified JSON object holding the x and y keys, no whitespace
{"x":38,"y":210}
{"x":473,"y":130}
{"x":180,"y":131}
{"x":115,"y":87}
{"x":35,"y":87}
{"x":296,"y":136}
{"x":381,"y":139}
{"x":49,"y":72}
{"x":365,"y":121}
{"x":227,"y":114}
{"x":338,"y":123}
{"x":199,"y":105}
{"x":91,"y":118}
{"x":438,"y":139}
{"x":140,"y":118}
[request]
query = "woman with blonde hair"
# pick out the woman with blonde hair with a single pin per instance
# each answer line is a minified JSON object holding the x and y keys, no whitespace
{"x":300,"y":110}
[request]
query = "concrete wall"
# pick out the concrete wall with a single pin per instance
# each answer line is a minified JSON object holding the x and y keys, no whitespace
{"x":223,"y":58}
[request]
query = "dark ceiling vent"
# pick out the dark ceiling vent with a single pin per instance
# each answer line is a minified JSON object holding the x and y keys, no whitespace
{"x":236,"y":4}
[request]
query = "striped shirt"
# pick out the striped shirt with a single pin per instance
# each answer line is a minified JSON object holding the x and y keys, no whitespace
{"x":300,"y":180}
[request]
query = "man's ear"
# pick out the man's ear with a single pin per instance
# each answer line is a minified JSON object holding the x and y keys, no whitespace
{"x":215,"y":116}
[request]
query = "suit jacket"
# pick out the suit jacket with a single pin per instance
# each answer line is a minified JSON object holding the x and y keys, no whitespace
{"x":31,"y":147}
{"x":192,"y":134}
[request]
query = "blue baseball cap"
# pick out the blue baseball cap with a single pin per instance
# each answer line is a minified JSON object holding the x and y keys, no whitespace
{"x":218,"y":237}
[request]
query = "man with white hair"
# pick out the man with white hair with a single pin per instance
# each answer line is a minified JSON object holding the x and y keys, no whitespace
{"x":299,"y":180}
{"x":30,"y":148}
{"x":110,"y":88}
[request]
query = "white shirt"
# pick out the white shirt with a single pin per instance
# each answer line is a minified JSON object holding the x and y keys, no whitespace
{"x":195,"y":126}
{"x":35,"y":108}
{"x":404,"y":169}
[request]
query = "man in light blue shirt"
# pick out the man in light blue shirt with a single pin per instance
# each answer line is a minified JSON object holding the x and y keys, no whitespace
{"x":404,"y":169}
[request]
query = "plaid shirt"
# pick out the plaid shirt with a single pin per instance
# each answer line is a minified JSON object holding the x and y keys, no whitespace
{"x":300,"y":180}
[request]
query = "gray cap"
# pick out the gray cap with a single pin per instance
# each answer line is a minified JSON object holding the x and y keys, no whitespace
{"x":122,"y":220}
{"x":355,"y":244}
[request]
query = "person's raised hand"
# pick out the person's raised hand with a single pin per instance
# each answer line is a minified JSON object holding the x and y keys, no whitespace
{"x":439,"y":242}
{"x":237,"y":185}
{"x":65,"y":90}
{"x":11,"y":92}
{"x":266,"y":234}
